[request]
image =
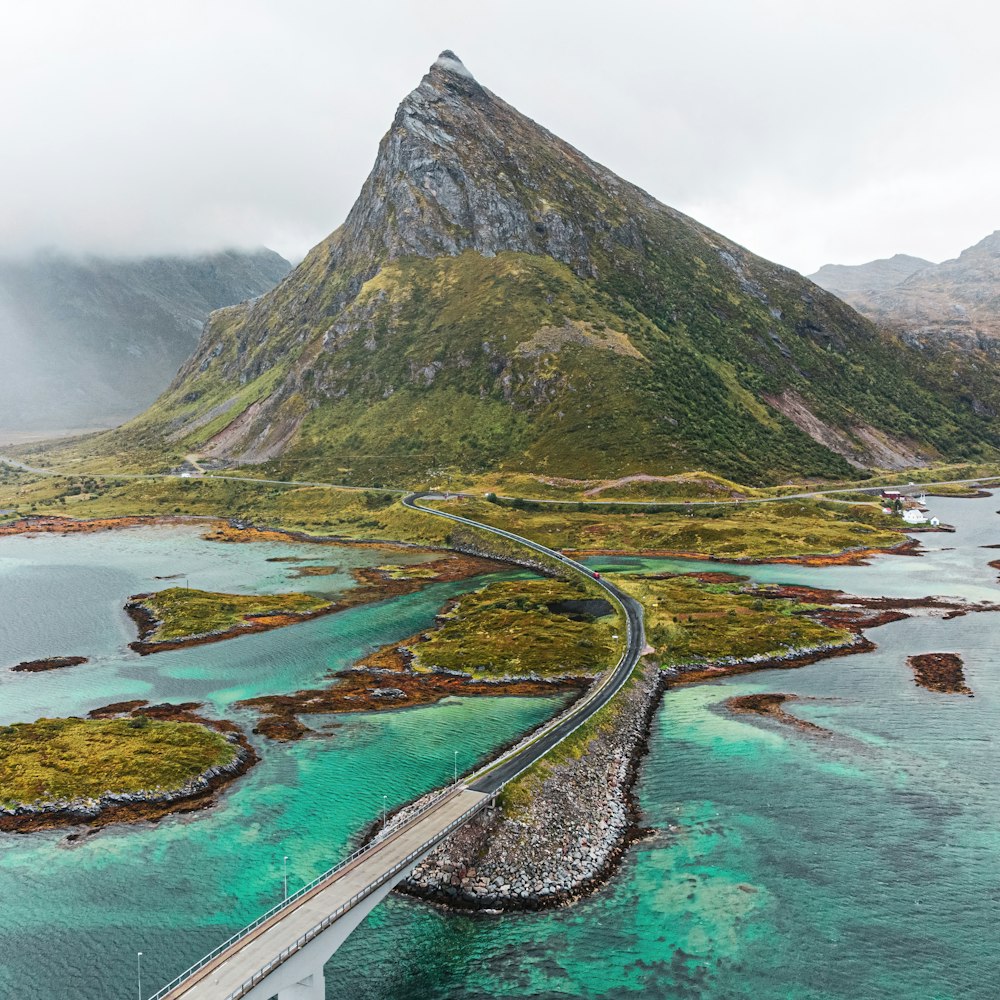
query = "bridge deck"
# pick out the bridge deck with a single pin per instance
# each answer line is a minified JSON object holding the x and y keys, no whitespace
{"x":235,"y":966}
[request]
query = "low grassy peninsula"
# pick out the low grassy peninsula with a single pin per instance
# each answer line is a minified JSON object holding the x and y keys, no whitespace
{"x":691,"y":622}
{"x":525,"y":637}
{"x":808,"y":531}
{"x":179,"y":617}
{"x":58,"y":772}
{"x":542,"y":628}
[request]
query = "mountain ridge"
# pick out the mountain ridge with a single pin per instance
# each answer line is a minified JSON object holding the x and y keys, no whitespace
{"x":956,"y":302}
{"x":497,"y":299}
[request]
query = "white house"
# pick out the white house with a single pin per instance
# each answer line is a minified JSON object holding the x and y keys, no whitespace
{"x":914,"y":516}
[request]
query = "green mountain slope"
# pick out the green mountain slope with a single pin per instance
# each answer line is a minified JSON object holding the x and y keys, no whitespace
{"x":497,"y":299}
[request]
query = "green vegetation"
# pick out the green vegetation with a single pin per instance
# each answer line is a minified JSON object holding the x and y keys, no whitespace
{"x":518,"y":628}
{"x":312,"y":510}
{"x":182,"y":613}
{"x":86,"y":758}
{"x":688,"y":621}
{"x":753,"y":531}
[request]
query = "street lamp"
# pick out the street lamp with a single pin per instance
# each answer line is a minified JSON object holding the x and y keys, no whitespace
{"x":285,"y":871}
{"x":138,"y":972}
{"x":456,"y":767}
{"x":385,"y":802}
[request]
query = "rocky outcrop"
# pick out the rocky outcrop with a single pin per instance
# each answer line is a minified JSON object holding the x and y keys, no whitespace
{"x":49,"y":663}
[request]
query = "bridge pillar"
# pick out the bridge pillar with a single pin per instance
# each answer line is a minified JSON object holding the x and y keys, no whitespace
{"x":313,"y":987}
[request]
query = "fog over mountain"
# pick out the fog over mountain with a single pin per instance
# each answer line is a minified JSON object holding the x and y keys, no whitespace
{"x":956,"y":301}
{"x":186,"y":127}
{"x":90,"y":341}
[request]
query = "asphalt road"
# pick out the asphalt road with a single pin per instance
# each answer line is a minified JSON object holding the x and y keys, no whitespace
{"x":491,"y":778}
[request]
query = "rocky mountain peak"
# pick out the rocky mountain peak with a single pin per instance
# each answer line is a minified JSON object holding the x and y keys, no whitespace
{"x":448,"y":62}
{"x":495,"y":296}
{"x":988,"y":245}
{"x":460,"y":169}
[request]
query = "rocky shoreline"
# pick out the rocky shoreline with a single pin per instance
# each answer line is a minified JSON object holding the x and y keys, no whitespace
{"x":552,"y":851}
{"x":198,"y":793}
{"x":580,"y":817}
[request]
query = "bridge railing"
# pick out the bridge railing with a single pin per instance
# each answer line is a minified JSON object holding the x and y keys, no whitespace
{"x":328,"y":921}
{"x":293,"y":898}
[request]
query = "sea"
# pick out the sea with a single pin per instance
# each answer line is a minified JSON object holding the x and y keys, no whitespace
{"x":777,"y":864}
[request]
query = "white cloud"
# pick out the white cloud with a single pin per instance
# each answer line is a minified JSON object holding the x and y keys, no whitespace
{"x":809,"y":133}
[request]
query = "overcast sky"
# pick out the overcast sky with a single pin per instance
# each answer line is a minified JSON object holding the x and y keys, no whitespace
{"x":809,"y":132}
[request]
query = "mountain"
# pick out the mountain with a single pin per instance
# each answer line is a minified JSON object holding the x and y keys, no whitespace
{"x":495,"y":299}
{"x":92,"y":341}
{"x":957,"y":302}
{"x":875,"y":276}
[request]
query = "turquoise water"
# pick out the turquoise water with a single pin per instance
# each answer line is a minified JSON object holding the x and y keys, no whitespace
{"x":74,"y":914}
{"x":780,"y":865}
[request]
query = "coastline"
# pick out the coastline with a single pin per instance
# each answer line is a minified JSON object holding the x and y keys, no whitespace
{"x":199,"y":792}
{"x":372,"y":585}
{"x":859,"y":556}
{"x":583,"y":816}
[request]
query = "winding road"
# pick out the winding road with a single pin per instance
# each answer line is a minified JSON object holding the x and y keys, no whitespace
{"x":491,"y":778}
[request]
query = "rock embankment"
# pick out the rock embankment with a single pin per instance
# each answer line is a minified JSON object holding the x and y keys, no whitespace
{"x":567,"y":839}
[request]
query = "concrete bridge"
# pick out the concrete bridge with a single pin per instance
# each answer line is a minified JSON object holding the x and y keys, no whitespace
{"x":282,"y":953}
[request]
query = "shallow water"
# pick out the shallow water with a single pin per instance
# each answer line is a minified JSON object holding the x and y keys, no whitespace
{"x":864,"y":865}
{"x":175,"y":889}
{"x":781,"y":865}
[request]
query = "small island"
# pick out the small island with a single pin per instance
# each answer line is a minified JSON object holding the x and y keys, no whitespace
{"x":179,"y":617}
{"x":49,"y":663}
{"x":941,"y":672}
{"x":140,"y":765}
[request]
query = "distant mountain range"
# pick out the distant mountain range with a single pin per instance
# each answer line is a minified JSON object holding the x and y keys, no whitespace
{"x":495,"y":299}
{"x":91,"y":341}
{"x":956,"y":302}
